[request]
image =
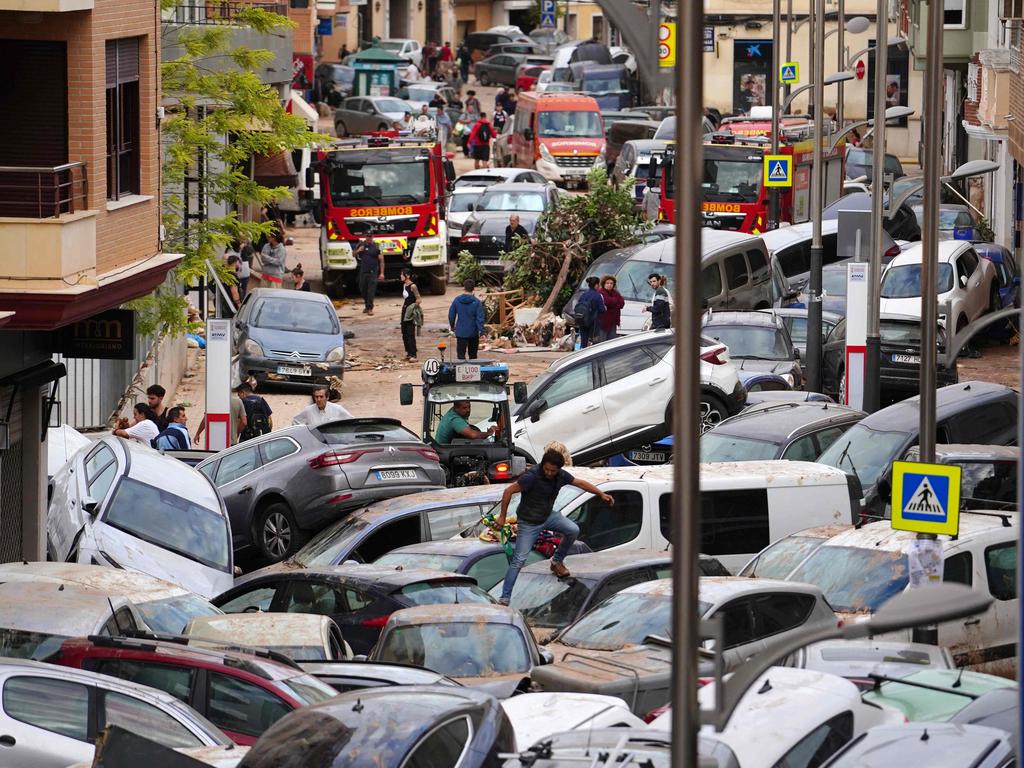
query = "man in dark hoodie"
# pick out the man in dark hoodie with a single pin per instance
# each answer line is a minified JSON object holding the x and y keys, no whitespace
{"x":661,"y":304}
{"x":466,"y":319}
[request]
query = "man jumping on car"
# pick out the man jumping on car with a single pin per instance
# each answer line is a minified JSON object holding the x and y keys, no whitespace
{"x":539,"y":488}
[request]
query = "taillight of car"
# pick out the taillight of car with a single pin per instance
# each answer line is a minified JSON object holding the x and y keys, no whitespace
{"x":712,"y":356}
{"x":335,"y":458}
{"x":893,"y":252}
{"x":501,"y":470}
{"x":377,"y":622}
{"x":471,"y":238}
{"x":428,"y":454}
{"x":656,"y":712}
{"x":702,"y":681}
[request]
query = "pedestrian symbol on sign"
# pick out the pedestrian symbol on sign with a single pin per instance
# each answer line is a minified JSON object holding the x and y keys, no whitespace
{"x":923,"y":501}
{"x":789,"y":72}
{"x":925,"y":497}
{"x":778,"y":170}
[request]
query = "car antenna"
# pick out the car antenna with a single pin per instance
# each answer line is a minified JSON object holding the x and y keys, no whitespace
{"x":358,"y":706}
{"x":113,"y":614}
{"x":960,"y":674}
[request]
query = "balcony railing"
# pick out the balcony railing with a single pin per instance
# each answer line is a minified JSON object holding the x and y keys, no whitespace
{"x":218,"y":12}
{"x":31,"y":192}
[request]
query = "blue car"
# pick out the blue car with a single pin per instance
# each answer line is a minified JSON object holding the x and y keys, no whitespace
{"x":1007,"y":273}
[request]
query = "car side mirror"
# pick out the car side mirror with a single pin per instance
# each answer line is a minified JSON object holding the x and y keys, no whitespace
{"x":359,"y":657}
{"x":534,"y":409}
{"x":963,"y":281}
{"x":519,"y":392}
{"x":91,"y":506}
{"x":546,"y":656}
{"x":449,"y":171}
{"x":528,"y":134}
{"x":796,"y":353}
{"x":405,"y":394}
{"x":884,"y":489}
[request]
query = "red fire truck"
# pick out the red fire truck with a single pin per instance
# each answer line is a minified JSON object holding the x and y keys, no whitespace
{"x":734,"y":196}
{"x":393,"y":189}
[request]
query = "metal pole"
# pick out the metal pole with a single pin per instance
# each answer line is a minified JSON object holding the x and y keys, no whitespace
{"x":814,"y":53}
{"x":817,"y":203}
{"x":873,"y":345}
{"x":773,"y":194}
{"x":840,"y":62}
{"x":933,"y":92}
{"x":689,"y":170}
{"x":789,"y":38}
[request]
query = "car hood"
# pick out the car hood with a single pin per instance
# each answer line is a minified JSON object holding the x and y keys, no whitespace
{"x":778,"y":367}
{"x":272,"y":338}
{"x":910,"y":307}
{"x":576,"y":146}
{"x":493,"y":223}
{"x":458,"y":219}
{"x":499,"y":686}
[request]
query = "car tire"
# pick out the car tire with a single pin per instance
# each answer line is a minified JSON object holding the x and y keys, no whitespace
{"x":340,"y":130}
{"x":277,"y":536}
{"x":437,"y":284}
{"x":483,"y":79}
{"x":712,"y":412}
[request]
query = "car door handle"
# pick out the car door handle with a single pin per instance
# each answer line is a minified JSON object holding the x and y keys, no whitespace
{"x":590,"y":408}
{"x":247,"y":489}
{"x":519,"y":433}
{"x":654,"y":381}
{"x":7,"y":741}
{"x":972,"y":622}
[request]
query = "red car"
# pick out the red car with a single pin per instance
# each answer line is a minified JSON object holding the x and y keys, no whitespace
{"x":243,"y":694}
{"x":527,"y":74}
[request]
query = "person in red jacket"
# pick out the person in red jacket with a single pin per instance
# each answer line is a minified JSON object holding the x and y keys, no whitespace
{"x":480,"y":138}
{"x":608,"y":321}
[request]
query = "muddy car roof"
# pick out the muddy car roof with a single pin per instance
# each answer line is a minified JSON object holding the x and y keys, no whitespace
{"x":601,"y":563}
{"x":880,"y":535}
{"x":454,"y":547}
{"x":371,"y":575}
{"x":365,"y":728}
{"x":259,"y":629}
{"x":461,"y":612}
{"x":138,"y":587}
{"x":412,"y":502}
{"x":54,"y":609}
{"x":715,"y":589}
{"x":770,"y":472}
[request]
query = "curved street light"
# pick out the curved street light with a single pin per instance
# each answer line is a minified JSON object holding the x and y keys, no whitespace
{"x":837,"y":77}
{"x":892,"y":113}
{"x":899,"y":42}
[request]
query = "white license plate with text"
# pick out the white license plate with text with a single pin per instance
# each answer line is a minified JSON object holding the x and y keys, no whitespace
{"x":908,"y":359}
{"x":293,"y":370}
{"x":650,"y":456}
{"x":396,"y":474}
{"x":467,"y":373}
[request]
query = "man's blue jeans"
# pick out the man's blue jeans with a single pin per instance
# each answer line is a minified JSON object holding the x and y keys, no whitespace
{"x":527,"y":536}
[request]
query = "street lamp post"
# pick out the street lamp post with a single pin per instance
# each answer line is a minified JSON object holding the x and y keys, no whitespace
{"x":773,"y":195}
{"x":840,"y":42}
{"x":814,"y":341}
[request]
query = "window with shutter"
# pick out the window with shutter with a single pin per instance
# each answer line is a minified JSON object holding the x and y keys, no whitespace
{"x":122,"y":117}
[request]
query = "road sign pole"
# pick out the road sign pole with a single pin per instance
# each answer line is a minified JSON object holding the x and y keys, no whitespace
{"x":840,"y":62}
{"x":789,"y":39}
{"x":689,"y":171}
{"x":856,"y":329}
{"x":814,"y":340}
{"x":773,"y":193}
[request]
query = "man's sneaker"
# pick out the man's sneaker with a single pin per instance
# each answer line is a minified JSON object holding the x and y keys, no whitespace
{"x":502,"y":601}
{"x":559,"y":570}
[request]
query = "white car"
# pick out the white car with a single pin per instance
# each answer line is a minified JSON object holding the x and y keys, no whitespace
{"x":301,"y":636}
{"x":460,"y":205}
{"x":857,"y":660}
{"x":967,"y":284}
{"x":50,"y":716}
{"x":820,"y":713}
{"x":618,"y":394}
{"x":537,"y":716}
{"x":404,"y":48}
{"x":121,"y":504}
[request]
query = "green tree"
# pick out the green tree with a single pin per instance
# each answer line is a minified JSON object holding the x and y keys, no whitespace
{"x":571,"y":235}
{"x":223,"y":112}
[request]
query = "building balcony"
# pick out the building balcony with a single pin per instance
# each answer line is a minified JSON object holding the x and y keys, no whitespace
{"x":994,"y":88}
{"x":46,"y":6}
{"x":47,"y":233}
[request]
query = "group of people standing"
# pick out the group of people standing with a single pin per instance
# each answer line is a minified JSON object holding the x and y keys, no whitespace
{"x":484,"y":131}
{"x":598,"y":311}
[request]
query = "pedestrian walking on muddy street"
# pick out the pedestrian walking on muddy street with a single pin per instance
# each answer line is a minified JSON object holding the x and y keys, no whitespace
{"x":661,"y":304}
{"x":371,"y":270}
{"x":155,"y":395}
{"x":539,"y":488}
{"x":444,"y":127}
{"x":466,"y":319}
{"x":273,"y":257}
{"x":412,"y":314}
{"x":480,"y":138}
{"x":589,"y":307}
{"x":608,"y":321}
{"x":321,"y":410}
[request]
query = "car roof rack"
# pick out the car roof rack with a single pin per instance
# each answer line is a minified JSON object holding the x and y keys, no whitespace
{"x":128,"y":637}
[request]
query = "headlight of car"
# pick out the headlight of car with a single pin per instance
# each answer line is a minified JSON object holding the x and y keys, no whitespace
{"x":790,"y":379}
{"x":336,"y":355}
{"x":252,"y":348}
{"x":545,"y":154}
{"x":601,"y":154}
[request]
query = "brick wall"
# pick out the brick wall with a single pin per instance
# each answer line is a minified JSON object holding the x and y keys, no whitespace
{"x":127,"y":233}
{"x":302,"y":35}
{"x":1016,"y":129}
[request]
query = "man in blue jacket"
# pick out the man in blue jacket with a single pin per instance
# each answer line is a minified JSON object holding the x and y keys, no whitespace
{"x":466,"y":319}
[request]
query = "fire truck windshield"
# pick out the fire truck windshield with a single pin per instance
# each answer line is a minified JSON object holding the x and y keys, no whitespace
{"x":737,"y":181}
{"x":568,"y":124}
{"x":385,"y":182}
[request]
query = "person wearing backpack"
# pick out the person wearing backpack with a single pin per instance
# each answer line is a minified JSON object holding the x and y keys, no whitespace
{"x":480,"y":141}
{"x":175,"y":436}
{"x":589,"y":306}
{"x":258,"y":415}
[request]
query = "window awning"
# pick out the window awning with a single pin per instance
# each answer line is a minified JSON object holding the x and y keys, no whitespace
{"x":302,"y":108}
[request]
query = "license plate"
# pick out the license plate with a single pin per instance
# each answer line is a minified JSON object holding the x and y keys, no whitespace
{"x":467,"y":373}
{"x":908,"y":359}
{"x":648,"y":456}
{"x":396,"y":474}
{"x":390,"y":246}
{"x":293,"y":370}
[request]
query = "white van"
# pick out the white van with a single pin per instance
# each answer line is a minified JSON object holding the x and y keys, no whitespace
{"x":745,"y":505}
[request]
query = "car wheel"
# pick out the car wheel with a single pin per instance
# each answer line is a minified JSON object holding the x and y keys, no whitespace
{"x":340,"y":130}
{"x":276,"y":533}
{"x":438,"y":283}
{"x":483,"y":79}
{"x":712,"y":412}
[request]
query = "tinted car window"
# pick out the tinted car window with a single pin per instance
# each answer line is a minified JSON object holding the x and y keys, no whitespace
{"x":710,"y":281}
{"x":277,"y":449}
{"x":959,"y":569}
{"x":344,"y":432}
{"x":802,"y":449}
{"x":603,"y":526}
{"x":736,"y":270}
{"x":53,"y":705}
{"x":259,"y":597}
{"x":568,"y":385}
{"x":820,"y":744}
{"x":795,"y":260}
{"x":174,"y":680}
{"x":625,"y":363}
{"x":442,"y":592}
{"x":319,"y":598}
{"x":442,"y":747}
{"x":620,"y":581}
{"x":758,"y":265}
{"x":239,"y":706}
{"x":1001,"y":569}
{"x":237,"y":464}
{"x":145,"y":720}
{"x":779,"y":612}
{"x":489,"y":570}
{"x":734,"y":522}
{"x":994,"y":423}
{"x":737,"y":627}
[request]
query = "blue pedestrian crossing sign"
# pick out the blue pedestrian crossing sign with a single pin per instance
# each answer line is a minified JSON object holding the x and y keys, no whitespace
{"x":789,"y":72}
{"x":926,"y":497}
{"x":778,"y":170}
{"x":547,"y":13}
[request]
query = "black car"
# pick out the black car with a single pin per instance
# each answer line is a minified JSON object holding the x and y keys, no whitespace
{"x":358,"y":597}
{"x":795,"y":320}
{"x":900,"y":364}
{"x":969,"y":412}
{"x":550,"y":604}
{"x":757,"y":341}
{"x":901,"y":224}
{"x":787,"y":430}
{"x":499,"y":69}
{"x":416,"y":725}
{"x":859,"y":163}
{"x":345,"y":676}
{"x":333,"y":82}
{"x":483,"y":233}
